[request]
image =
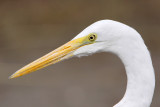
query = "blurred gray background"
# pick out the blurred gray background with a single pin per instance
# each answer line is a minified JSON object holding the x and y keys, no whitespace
{"x":31,"y":28}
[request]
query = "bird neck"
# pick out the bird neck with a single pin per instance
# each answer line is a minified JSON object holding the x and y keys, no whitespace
{"x":140,"y":76}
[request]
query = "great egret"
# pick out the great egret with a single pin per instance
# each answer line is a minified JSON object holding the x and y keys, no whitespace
{"x":115,"y":37}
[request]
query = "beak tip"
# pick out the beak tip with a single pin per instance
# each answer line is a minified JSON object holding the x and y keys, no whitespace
{"x":12,"y":76}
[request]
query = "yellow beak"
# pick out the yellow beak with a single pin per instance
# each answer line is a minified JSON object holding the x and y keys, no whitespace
{"x":59,"y":54}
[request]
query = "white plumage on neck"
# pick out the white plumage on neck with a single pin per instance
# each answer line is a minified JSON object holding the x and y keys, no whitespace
{"x":140,"y":74}
{"x":127,"y":43}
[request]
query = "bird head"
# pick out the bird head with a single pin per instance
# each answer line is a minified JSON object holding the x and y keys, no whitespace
{"x":97,"y":37}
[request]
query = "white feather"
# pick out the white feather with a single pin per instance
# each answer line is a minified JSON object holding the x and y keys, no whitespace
{"x":126,"y":43}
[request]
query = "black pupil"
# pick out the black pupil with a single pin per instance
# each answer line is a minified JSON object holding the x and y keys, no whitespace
{"x":91,"y":37}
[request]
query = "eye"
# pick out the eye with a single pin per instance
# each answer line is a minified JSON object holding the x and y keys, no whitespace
{"x":92,"y":37}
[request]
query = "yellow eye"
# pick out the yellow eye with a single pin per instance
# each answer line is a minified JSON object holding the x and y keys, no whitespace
{"x":92,"y":37}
